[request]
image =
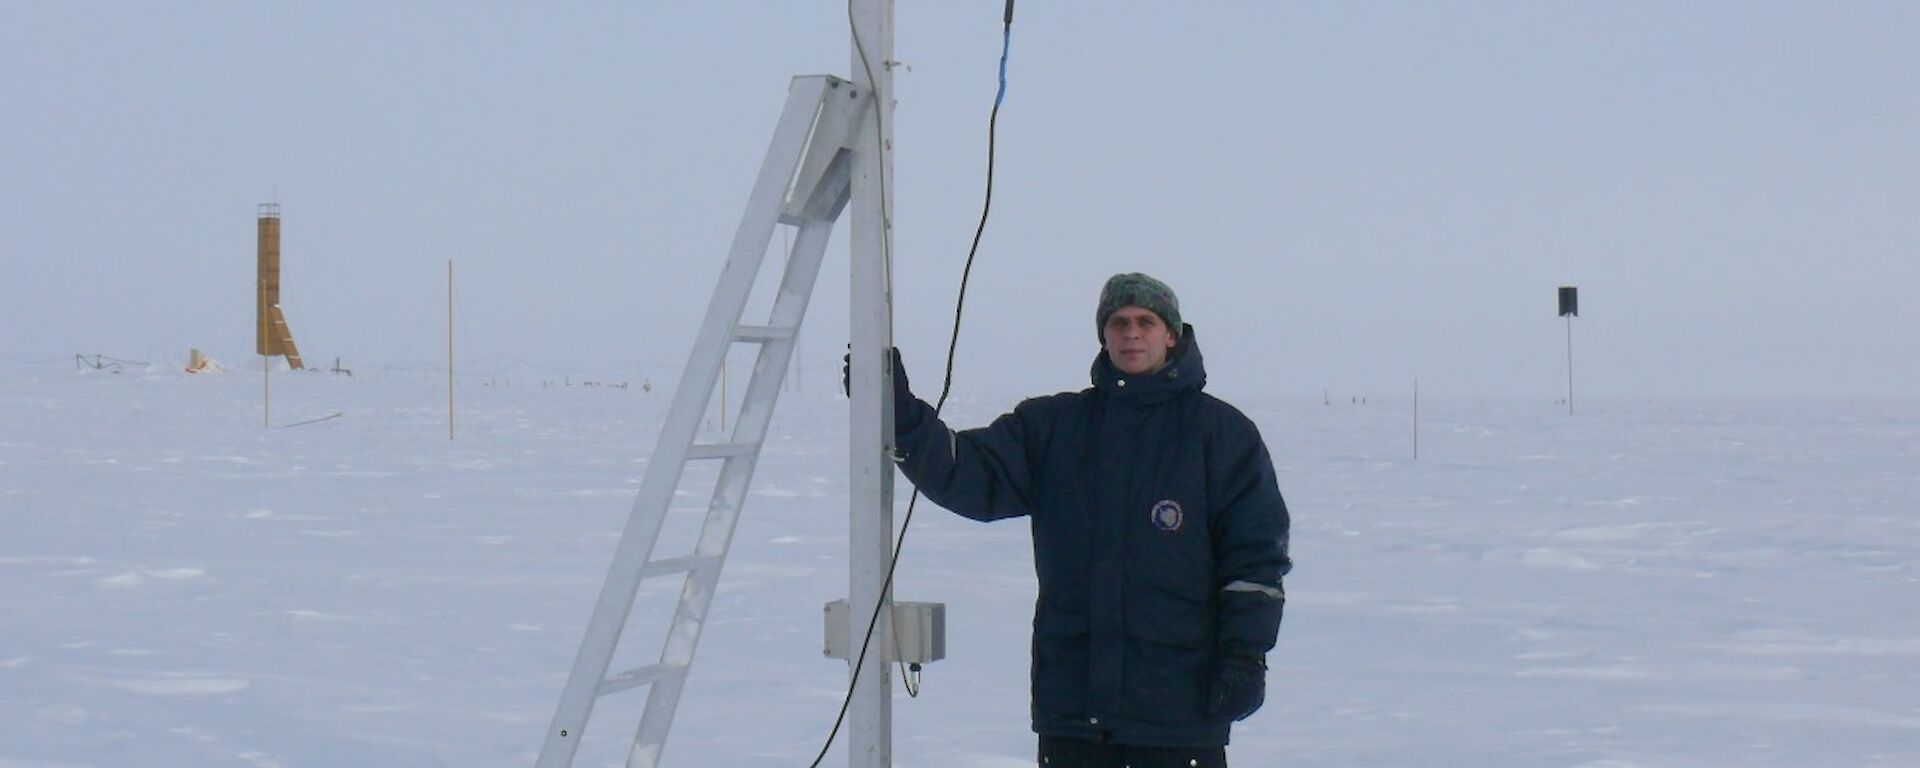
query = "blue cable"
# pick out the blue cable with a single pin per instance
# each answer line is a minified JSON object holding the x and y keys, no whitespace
{"x":1006,"y":41}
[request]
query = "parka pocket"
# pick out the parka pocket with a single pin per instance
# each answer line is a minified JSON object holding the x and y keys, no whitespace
{"x":1172,"y":614}
{"x":1060,"y":665}
{"x":1168,"y":663}
{"x":1165,"y":683}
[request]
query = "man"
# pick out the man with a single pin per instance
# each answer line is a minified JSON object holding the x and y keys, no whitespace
{"x":1159,"y":538}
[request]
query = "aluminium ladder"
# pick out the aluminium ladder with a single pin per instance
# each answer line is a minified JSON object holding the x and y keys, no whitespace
{"x":803,"y":182}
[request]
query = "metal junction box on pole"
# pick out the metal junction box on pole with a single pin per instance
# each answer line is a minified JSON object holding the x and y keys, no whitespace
{"x":920,"y":633}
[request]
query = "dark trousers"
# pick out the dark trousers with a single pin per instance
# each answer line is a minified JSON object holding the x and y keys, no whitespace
{"x":1056,"y":752}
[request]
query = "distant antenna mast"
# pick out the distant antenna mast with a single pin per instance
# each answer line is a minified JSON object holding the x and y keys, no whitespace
{"x":1569,"y":309}
{"x":449,"y":349}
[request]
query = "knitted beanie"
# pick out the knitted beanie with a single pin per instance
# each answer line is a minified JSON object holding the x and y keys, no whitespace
{"x":1132,"y":289}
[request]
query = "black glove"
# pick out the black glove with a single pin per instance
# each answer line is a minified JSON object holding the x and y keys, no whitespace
{"x":1239,"y":684}
{"x":902,"y":394}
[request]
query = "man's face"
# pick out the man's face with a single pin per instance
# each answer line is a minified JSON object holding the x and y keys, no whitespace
{"x":1137,"y":340}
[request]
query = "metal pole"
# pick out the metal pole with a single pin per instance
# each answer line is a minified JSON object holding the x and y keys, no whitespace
{"x":870,"y":716}
{"x":1416,"y":419}
{"x":1569,"y":364}
{"x":449,"y":349}
{"x":266,"y":376}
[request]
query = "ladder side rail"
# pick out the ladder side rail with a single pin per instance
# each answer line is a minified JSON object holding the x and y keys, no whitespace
{"x":690,"y":401}
{"x":729,"y":495}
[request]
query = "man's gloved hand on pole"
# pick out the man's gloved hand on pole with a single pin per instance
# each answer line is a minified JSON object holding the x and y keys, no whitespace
{"x":902,"y":393}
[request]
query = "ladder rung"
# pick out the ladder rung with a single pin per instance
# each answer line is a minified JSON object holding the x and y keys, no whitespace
{"x":762,"y":333}
{"x":719,"y":450}
{"x":678,"y":565}
{"x":634,"y":678}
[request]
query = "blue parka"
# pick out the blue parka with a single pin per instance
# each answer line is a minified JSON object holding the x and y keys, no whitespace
{"x":1159,"y":539}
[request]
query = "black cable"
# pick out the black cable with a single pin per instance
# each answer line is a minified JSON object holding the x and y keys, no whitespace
{"x":953,"y":342}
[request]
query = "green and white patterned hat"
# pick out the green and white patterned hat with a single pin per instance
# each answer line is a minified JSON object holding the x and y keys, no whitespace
{"x":1133,"y":289}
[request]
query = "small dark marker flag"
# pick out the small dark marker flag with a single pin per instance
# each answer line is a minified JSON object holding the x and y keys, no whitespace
{"x":1569,"y":301}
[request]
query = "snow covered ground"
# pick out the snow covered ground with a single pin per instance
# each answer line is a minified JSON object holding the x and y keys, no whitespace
{"x":1646,"y":583}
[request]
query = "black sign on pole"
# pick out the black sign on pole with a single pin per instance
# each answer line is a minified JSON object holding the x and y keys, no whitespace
{"x":1569,"y":309}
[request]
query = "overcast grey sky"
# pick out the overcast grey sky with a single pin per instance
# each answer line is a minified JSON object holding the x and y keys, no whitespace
{"x":1344,"y":195}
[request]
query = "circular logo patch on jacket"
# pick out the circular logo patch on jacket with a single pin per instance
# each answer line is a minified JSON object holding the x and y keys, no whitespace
{"x":1167,"y":516}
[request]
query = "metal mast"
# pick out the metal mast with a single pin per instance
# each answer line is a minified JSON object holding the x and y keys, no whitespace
{"x":870,"y":740}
